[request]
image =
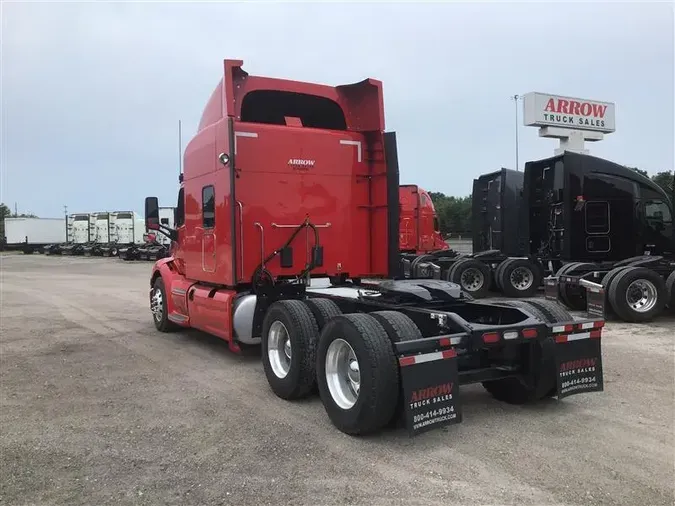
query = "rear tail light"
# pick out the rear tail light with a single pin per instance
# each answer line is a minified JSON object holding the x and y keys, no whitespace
{"x":491,"y":337}
{"x":444,"y":341}
{"x":529,"y":333}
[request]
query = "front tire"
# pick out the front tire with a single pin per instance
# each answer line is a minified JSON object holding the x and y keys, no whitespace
{"x":357,"y":374}
{"x":158,"y":307}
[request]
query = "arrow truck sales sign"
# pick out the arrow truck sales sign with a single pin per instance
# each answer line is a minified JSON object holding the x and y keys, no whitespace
{"x":541,"y":109}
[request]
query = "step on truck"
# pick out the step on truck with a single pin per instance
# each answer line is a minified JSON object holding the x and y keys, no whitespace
{"x":32,"y":234}
{"x":251,"y":263}
{"x":577,"y":216}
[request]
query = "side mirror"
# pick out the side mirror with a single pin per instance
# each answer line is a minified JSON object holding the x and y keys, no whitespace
{"x":151,"y":213}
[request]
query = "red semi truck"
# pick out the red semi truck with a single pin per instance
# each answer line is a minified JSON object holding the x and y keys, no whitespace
{"x":419,"y":227}
{"x":288,"y":184}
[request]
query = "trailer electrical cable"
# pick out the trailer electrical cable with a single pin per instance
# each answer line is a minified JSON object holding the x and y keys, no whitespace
{"x":262,"y":277}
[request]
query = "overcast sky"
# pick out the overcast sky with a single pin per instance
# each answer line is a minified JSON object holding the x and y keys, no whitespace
{"x":92,"y":92}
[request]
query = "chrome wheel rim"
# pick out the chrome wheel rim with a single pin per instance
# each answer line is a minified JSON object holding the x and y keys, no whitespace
{"x":279,"y":351}
{"x":521,"y":278}
{"x":343,"y":374}
{"x":156,"y":305}
{"x":472,"y":279}
{"x":641,"y":295}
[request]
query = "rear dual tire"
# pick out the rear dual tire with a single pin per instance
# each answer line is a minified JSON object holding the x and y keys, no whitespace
{"x":472,"y":275}
{"x":636,"y":294}
{"x":349,"y":358}
{"x":518,"y":277}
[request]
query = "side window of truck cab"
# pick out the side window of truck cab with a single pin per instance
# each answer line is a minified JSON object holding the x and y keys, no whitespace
{"x":179,"y":216}
{"x":657,"y":215}
{"x":208,"y":207}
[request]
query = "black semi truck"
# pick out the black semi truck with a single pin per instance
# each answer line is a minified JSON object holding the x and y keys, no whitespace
{"x":567,"y":218}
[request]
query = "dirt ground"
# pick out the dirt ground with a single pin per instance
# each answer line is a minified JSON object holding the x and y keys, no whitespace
{"x":99,"y":408}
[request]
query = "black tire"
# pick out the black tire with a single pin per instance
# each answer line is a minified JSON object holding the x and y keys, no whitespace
{"x":511,"y":290}
{"x":527,"y":306}
{"x":514,"y":391}
{"x":301,"y":328}
{"x":378,"y":394}
{"x":609,"y":277}
{"x":574,"y":298}
{"x":161,"y":318}
{"x":553,"y":311}
{"x":323,"y":310}
{"x":398,"y":326}
{"x":498,"y":273}
{"x":670,"y":289}
{"x":560,"y":272}
{"x":447,"y":275}
{"x":481,"y":269}
{"x":618,"y":291}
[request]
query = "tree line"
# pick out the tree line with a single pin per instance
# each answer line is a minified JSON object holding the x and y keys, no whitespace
{"x":454,"y":213}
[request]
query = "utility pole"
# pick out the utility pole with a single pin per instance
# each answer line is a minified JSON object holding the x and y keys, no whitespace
{"x":515,"y":99}
{"x":16,"y":210}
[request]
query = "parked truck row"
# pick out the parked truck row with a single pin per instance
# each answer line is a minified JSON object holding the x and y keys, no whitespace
{"x":571,"y":217}
{"x":118,"y":233}
{"x":312,"y":274}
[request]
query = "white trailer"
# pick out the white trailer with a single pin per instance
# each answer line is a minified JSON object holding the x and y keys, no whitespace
{"x":129,"y":227}
{"x":31,"y":234}
{"x":81,"y":228}
{"x":81,"y":231}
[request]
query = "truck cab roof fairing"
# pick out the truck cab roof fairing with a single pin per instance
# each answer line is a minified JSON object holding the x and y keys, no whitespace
{"x":361,"y":112}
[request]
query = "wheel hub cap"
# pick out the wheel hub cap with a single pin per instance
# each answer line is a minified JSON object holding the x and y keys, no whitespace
{"x":472,"y":280}
{"x":156,"y":304}
{"x":343,"y":374}
{"x":279,"y":349}
{"x":521,"y":278}
{"x":641,"y":295}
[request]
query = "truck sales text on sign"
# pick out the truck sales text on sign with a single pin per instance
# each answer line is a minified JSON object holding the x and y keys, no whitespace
{"x":541,"y":109}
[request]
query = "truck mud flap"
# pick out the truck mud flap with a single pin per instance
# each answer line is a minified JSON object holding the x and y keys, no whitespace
{"x":595,"y":293}
{"x":578,"y":357}
{"x":551,"y":288}
{"x":430,"y":391}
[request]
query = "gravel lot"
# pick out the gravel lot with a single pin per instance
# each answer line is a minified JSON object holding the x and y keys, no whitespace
{"x":99,"y":408}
